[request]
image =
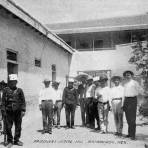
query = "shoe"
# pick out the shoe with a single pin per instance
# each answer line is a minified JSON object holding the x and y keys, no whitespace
{"x":9,"y":145}
{"x":102,"y":132}
{"x":116,"y":133}
{"x":72,"y":127}
{"x":43,"y":132}
{"x":119,"y":134}
{"x":132,"y":138}
{"x":127,"y":136}
{"x":50,"y":132}
{"x":19,"y":143}
{"x":98,"y":129}
{"x":67,"y":127}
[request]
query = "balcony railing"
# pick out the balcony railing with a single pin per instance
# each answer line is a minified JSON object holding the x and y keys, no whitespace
{"x":95,"y":49}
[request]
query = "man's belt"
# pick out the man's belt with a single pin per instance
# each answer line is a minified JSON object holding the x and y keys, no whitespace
{"x":116,"y":99}
{"x":47,"y":100}
{"x":104,"y":103}
{"x":58,"y":100}
{"x":131,"y":97}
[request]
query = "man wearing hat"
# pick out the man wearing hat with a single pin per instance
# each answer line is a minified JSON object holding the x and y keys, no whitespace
{"x":57,"y":104}
{"x":46,"y":97}
{"x":131,"y":90}
{"x":13,"y":107}
{"x":102,"y":93}
{"x":93,"y":106}
{"x":117,"y":96}
{"x":70,"y":101}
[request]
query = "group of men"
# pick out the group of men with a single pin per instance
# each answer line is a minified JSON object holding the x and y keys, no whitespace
{"x":95,"y":99}
{"x":93,"y":95}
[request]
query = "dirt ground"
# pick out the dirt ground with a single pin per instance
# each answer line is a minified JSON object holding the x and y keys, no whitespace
{"x":79,"y":137}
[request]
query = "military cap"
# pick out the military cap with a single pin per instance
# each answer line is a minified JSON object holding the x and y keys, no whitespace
{"x":97,"y":78}
{"x":13,"y":77}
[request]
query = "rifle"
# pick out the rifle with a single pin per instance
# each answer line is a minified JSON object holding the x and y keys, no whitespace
{"x":4,"y":129}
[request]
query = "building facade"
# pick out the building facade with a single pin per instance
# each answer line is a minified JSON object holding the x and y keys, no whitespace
{"x":103,"y":45}
{"x":30,"y":50}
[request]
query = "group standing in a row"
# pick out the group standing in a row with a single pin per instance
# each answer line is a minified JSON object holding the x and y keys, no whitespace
{"x":96,"y":99}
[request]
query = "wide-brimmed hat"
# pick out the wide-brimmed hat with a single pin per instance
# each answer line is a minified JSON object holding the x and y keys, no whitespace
{"x":128,"y":71}
{"x":103,"y":78}
{"x":97,"y":78}
{"x":116,"y":78}
{"x":46,"y":80}
{"x":55,"y":83}
{"x":71,"y":80}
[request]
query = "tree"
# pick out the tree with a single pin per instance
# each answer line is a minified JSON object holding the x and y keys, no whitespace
{"x":140,"y":59}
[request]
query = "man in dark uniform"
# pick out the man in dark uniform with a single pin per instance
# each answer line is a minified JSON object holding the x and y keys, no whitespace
{"x":70,"y":101}
{"x":13,"y":107}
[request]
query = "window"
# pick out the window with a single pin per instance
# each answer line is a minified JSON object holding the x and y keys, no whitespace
{"x":12,"y":55}
{"x":98,"y":44}
{"x":53,"y":69}
{"x":37,"y":62}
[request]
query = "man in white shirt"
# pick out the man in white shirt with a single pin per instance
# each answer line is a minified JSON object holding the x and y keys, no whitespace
{"x":131,"y":91}
{"x":57,"y":104}
{"x":102,"y":93}
{"x":46,"y":97}
{"x":117,"y":96}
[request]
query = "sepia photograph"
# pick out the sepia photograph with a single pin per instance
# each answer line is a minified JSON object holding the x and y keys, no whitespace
{"x":73,"y":73}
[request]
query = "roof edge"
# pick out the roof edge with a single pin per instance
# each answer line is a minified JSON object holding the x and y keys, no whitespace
{"x":19,"y":12}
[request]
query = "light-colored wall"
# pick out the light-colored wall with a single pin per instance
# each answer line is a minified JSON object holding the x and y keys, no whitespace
{"x":115,"y":60}
{"x":15,"y":35}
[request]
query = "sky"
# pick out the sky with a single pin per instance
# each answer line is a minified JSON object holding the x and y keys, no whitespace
{"x":59,"y":11}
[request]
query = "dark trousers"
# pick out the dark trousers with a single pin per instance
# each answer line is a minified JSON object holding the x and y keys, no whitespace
{"x":70,"y":114}
{"x":16,"y":118}
{"x":84,"y":114}
{"x":93,"y":114}
{"x":57,"y":112}
{"x":130,"y":108}
{"x":88,"y":116}
{"x":47,"y":115}
{"x":0,"y":119}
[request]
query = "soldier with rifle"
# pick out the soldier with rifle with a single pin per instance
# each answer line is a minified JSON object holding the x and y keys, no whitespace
{"x":13,"y":108}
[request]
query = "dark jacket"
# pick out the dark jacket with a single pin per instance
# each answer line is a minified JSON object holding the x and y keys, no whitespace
{"x":70,"y":96}
{"x":13,"y":99}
